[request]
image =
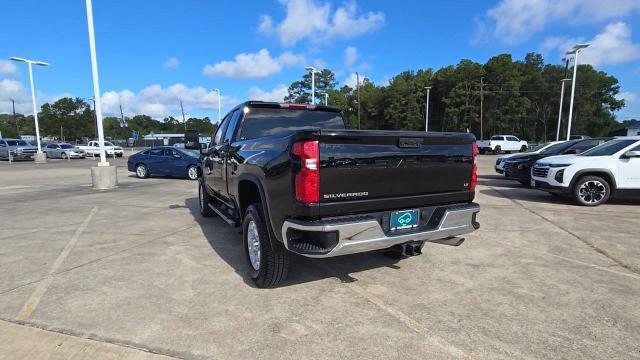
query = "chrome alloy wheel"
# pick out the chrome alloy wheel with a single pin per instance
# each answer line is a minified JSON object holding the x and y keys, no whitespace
{"x":141,"y":171}
{"x":253,"y":245}
{"x":592,"y":191}
{"x":192,"y":173}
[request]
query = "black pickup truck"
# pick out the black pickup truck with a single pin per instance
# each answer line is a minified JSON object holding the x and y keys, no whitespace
{"x":298,"y":181}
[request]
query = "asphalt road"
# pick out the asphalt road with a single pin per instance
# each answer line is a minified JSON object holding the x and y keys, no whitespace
{"x":137,"y":269}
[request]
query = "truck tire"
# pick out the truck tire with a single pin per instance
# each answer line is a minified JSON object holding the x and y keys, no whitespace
{"x":497,"y":150}
{"x":268,"y":266}
{"x":204,"y":199}
{"x":591,"y":191}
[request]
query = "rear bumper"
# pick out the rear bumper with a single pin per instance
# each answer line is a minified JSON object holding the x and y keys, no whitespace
{"x":356,"y":234}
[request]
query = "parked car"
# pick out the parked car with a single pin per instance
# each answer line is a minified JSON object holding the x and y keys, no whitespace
{"x":165,"y":161}
{"x":519,"y":167}
{"x":18,"y":149}
{"x":531,"y":150}
{"x":499,"y":143}
{"x":591,"y":177}
{"x":298,"y":182}
{"x":63,"y":151}
{"x":93,"y":148}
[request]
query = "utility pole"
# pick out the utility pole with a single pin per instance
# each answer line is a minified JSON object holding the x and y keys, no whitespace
{"x":481,"y":107}
{"x":15,"y":119}
{"x":358,"y":90}
{"x":560,"y":111}
{"x":575,"y":52}
{"x":426,"y":115}
{"x":122,"y":117}
{"x":184,"y":121}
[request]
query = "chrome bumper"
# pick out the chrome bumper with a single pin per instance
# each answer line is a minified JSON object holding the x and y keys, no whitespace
{"x":362,"y":234}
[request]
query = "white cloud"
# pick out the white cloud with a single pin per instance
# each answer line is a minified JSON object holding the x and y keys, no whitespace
{"x":514,"y":21}
{"x":14,"y":89}
{"x":7,"y":67}
{"x":255,"y":65}
{"x":628,"y":96}
{"x":159,"y":102}
{"x":309,"y":19}
{"x":171,"y":63}
{"x":350,"y":56}
{"x":277,"y":94}
{"x":352,"y":80}
{"x":612,"y":46}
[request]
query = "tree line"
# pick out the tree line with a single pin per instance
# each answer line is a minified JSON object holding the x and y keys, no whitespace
{"x":503,"y":95}
{"x":518,"y":97}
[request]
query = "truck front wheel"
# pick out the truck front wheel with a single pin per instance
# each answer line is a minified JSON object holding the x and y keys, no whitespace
{"x":267,"y":265}
{"x":204,"y":200}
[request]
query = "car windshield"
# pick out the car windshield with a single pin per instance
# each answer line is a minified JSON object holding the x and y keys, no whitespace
{"x":535,"y":148}
{"x":66,"y":146}
{"x":271,"y":121}
{"x":558,"y":148}
{"x":17,"y":143}
{"x":608,"y":148}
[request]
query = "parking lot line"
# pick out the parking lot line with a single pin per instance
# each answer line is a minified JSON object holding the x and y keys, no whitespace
{"x":34,"y":299}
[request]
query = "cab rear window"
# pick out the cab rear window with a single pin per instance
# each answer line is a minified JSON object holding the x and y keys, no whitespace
{"x":260,"y":122}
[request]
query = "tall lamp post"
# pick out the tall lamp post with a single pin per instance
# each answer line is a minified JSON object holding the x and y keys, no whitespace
{"x":103,"y":176}
{"x":426,"y":115}
{"x":313,"y":83}
{"x":358,"y":91}
{"x":560,"y":111}
{"x":575,"y":51}
{"x":219,"y":113}
{"x":40,"y":156}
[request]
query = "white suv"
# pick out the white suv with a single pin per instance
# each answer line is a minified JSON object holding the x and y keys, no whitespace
{"x":499,"y":143}
{"x":592,"y":176}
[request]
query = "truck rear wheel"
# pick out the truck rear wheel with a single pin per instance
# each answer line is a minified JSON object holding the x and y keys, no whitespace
{"x":267,"y":265}
{"x":204,"y":200}
{"x":497,"y":150}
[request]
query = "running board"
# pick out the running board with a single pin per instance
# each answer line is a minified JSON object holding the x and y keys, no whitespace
{"x":224,"y":216}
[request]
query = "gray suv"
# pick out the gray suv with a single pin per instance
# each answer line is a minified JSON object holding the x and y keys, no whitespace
{"x":18,"y":148}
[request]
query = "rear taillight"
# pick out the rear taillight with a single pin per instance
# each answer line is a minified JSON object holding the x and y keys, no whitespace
{"x":308,"y":179}
{"x":474,"y":168}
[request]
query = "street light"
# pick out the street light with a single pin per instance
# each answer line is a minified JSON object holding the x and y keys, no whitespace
{"x":313,"y":83}
{"x":426,"y":116}
{"x":560,"y":111}
{"x":40,"y":157}
{"x":219,"y":114}
{"x":575,"y":51}
{"x":103,"y":176}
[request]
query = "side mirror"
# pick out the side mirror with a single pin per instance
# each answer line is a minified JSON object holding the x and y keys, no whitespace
{"x":632,"y":154}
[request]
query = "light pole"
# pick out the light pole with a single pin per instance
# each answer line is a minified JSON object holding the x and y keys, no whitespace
{"x":40,"y":157}
{"x":313,"y":83}
{"x":184,"y":121}
{"x":358,"y":90}
{"x":426,"y":115}
{"x":575,"y":51}
{"x":219,"y":114}
{"x":103,"y":175}
{"x":560,"y":111}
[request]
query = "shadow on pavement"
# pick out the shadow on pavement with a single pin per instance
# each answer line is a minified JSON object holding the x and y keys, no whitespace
{"x":538,"y":196}
{"x":226,"y":241}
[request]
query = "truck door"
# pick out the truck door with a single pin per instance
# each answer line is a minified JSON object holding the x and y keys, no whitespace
{"x":230,"y":163}
{"x":512,"y":143}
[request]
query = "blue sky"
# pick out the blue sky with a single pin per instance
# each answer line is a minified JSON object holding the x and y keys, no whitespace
{"x":150,"y":54}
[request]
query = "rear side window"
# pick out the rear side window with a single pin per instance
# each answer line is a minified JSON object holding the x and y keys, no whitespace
{"x":271,"y":121}
{"x":497,"y":138}
{"x":155,"y":152}
{"x":512,"y":138}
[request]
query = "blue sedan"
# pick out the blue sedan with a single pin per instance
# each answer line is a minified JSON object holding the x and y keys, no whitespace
{"x":165,"y":161}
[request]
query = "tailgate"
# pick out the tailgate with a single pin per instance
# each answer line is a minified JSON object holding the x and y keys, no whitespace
{"x":363,"y":165}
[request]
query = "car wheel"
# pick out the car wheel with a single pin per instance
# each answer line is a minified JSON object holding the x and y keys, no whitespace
{"x":203,"y":201}
{"x":267,"y":265}
{"x":192,"y":172}
{"x":63,"y":156}
{"x":523,"y":148}
{"x":142,"y":171}
{"x":497,"y":150}
{"x":591,"y":191}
